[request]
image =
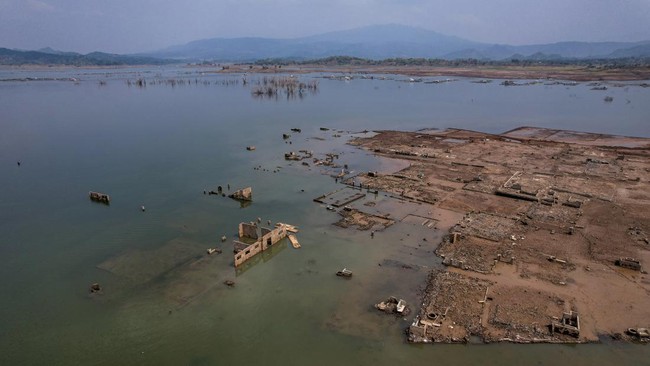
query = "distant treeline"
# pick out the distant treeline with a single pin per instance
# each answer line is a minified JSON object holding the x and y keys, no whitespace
{"x":51,"y":57}
{"x":15,"y":57}
{"x":524,"y":61}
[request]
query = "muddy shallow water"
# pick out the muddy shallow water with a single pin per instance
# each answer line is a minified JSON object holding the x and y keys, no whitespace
{"x":163,"y":298}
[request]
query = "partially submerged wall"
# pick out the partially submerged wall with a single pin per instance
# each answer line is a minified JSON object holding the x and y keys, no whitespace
{"x":247,"y":253}
{"x":272,"y":236}
{"x":269,"y":238}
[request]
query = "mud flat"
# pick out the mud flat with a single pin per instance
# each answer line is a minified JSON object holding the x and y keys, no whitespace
{"x":543,"y":221}
{"x":569,"y":72}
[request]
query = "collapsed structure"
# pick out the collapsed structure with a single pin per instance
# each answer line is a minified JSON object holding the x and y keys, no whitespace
{"x":254,"y":239}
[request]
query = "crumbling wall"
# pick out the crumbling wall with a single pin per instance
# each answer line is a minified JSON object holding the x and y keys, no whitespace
{"x":248,"y":231}
{"x":269,"y":238}
{"x":272,"y":236}
{"x":248,"y":253}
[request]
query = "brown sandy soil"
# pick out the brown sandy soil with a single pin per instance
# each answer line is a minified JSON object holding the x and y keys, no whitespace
{"x":545,"y":215}
{"x":574,"y":73}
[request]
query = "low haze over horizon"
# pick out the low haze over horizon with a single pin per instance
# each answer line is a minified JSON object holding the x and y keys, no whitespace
{"x":129,"y":26}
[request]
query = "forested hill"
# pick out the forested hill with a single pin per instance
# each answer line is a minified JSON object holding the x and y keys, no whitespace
{"x":51,"y":57}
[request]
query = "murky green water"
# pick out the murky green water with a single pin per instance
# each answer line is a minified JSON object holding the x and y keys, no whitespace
{"x":160,"y":146}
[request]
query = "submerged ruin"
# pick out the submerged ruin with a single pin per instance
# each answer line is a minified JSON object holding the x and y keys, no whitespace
{"x":254,"y":239}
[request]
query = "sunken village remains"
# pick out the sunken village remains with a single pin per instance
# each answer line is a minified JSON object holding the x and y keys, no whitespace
{"x":547,"y":230}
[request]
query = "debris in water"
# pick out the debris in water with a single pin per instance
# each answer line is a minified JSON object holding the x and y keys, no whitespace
{"x":344,"y":273}
{"x":393,"y":306}
{"x":94,"y":288}
{"x":99,"y":197}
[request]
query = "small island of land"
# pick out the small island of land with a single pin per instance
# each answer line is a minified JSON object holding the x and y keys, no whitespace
{"x":627,"y":69}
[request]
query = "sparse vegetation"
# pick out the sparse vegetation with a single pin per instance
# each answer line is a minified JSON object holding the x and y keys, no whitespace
{"x":264,"y":87}
{"x":289,"y":86}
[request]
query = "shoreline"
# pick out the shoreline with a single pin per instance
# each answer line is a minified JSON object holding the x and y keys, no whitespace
{"x":568,"y":73}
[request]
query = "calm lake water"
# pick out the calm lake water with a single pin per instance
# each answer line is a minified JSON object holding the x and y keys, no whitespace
{"x":163,"y":298}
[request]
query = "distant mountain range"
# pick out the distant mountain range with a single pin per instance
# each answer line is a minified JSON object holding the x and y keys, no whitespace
{"x":48,"y":56}
{"x":376,"y":42}
{"x":390,"y":41}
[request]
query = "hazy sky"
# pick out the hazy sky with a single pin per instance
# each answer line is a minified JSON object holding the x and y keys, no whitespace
{"x":124,"y":26}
